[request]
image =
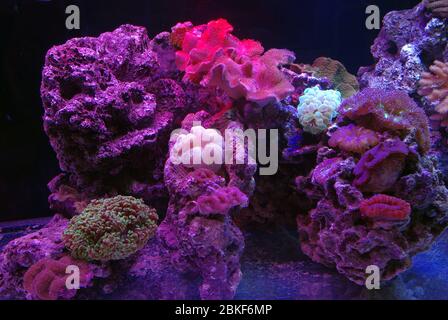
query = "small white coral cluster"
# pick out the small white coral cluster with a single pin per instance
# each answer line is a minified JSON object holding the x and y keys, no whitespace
{"x":201,"y":148}
{"x":317,"y":108}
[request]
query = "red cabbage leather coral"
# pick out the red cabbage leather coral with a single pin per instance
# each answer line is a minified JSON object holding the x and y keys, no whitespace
{"x":46,"y":279}
{"x":212,"y":56}
{"x":385,"y":110}
{"x":379,"y":168}
{"x":354,"y":139}
{"x":385,"y":207}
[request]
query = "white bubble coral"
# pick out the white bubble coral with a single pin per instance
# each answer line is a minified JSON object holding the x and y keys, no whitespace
{"x":317,"y":108}
{"x":201,"y":148}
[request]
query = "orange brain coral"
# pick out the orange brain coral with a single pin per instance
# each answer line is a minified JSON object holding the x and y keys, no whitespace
{"x":385,"y":207}
{"x":353,"y":138}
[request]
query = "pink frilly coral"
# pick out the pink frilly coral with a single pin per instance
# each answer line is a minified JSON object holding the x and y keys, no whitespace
{"x":354,"y":139}
{"x":379,"y":168}
{"x":385,"y":207}
{"x":212,"y":56}
{"x":221,"y":201}
{"x":46,"y":279}
{"x":386,"y":110}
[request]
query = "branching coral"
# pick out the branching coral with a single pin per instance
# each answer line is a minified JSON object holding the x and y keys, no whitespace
{"x":353,"y":138}
{"x":221,"y":200}
{"x":386,"y":110}
{"x":110,"y":229}
{"x":438,"y":7}
{"x":385,"y":207}
{"x":212,"y":56}
{"x":46,"y":279}
{"x":201,"y":148}
{"x":317,"y":109}
{"x":379,"y":168}
{"x":434,"y":85}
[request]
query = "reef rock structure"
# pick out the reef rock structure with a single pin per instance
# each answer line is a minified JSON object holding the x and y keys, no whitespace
{"x":140,"y":126}
{"x":110,"y":102}
{"x":411,"y":44}
{"x":367,"y":210}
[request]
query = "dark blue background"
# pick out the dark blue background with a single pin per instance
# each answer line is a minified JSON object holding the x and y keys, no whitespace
{"x":333,"y":28}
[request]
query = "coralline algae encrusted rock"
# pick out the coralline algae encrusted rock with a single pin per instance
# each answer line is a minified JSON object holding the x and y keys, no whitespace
{"x":110,"y":105}
{"x":20,"y":254}
{"x":349,"y":226}
{"x":409,"y":41}
{"x":207,"y":244}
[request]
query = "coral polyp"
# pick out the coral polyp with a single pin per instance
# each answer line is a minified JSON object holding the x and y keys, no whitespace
{"x":199,"y":148}
{"x":354,"y":139}
{"x":317,"y":108}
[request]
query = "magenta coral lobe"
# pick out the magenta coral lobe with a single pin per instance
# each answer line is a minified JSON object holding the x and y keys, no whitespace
{"x":380,"y":167}
{"x":45,"y":280}
{"x":221,"y":201}
{"x":353,"y":138}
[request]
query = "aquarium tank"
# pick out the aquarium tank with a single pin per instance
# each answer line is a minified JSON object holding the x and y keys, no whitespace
{"x":224,"y":150}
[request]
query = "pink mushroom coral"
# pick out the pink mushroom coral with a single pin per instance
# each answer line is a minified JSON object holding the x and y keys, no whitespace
{"x":379,"y":168}
{"x":384,"y":110}
{"x":353,"y":138}
{"x":212,"y":56}
{"x":46,"y":279}
{"x":385,"y":207}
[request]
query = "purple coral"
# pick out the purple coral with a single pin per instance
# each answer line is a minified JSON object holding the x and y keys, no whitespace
{"x":388,"y":110}
{"x":380,"y":167}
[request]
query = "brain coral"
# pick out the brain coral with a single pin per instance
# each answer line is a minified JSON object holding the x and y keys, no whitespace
{"x":317,"y":108}
{"x":336,"y":72}
{"x":380,"y":167}
{"x":201,"y":148}
{"x":46,"y":279}
{"x":353,"y":138}
{"x":386,"y":110}
{"x":212,"y":56}
{"x":386,"y":207}
{"x":110,"y":229}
